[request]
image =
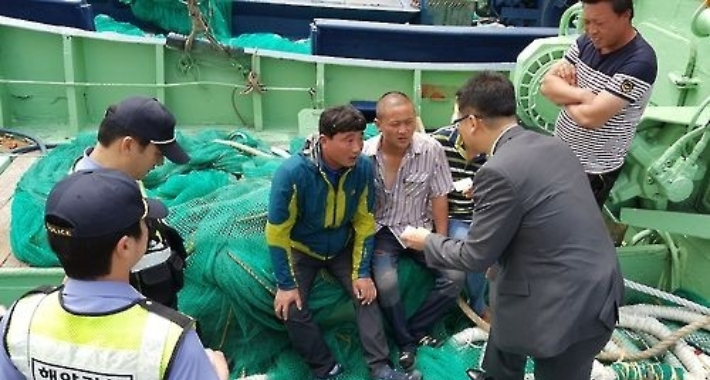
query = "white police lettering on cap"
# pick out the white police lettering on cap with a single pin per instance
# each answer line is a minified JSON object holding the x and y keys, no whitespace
{"x":163,"y":142}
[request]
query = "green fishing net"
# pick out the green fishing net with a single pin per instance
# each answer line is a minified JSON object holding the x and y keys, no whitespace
{"x":452,"y":12}
{"x":270,"y":41}
{"x":106,"y":23}
{"x":218,"y":202}
{"x":171,"y":15}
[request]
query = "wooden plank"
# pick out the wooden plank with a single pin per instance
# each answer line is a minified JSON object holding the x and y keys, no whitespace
{"x":4,"y":233}
{"x":9,"y":178}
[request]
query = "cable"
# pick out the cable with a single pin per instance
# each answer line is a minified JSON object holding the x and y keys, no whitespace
{"x":32,"y":148}
{"x":38,"y":143}
{"x":236,"y":110}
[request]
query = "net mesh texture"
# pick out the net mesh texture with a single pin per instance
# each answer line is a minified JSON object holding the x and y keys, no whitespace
{"x":218,"y":203}
{"x":172,"y":15}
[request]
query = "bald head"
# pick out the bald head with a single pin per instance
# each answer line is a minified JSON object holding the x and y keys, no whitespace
{"x":397,"y":122}
{"x":390,"y":100}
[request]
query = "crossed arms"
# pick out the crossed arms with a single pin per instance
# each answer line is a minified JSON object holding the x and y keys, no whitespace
{"x":587,"y":109}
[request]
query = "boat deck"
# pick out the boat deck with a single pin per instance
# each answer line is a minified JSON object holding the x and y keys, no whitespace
{"x":11,"y":170}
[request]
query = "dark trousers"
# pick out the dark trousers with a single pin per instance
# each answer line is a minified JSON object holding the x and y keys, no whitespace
{"x":601,"y":185}
{"x":447,"y":286}
{"x":575,"y":363}
{"x":303,"y":330}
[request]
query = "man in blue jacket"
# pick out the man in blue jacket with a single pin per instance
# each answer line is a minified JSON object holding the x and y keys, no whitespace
{"x":321,"y":217}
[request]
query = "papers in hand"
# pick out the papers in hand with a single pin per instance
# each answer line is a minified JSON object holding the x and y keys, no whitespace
{"x":463,"y":184}
{"x":399,"y":240}
{"x":408,"y":229}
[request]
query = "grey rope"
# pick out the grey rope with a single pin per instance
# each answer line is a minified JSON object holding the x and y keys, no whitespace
{"x":667,"y":296}
{"x":466,"y":309}
{"x":657,"y":349}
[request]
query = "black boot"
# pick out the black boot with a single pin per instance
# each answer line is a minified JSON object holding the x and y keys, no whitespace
{"x":475,"y":374}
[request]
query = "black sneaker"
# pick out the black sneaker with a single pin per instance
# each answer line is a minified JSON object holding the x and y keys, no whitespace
{"x":407,"y":359}
{"x":430,"y":341}
{"x":388,"y":373}
{"x":334,"y":372}
{"x":475,"y":374}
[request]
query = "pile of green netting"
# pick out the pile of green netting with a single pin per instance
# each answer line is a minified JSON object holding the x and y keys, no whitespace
{"x":451,"y":12}
{"x":172,"y":15}
{"x":218,"y":202}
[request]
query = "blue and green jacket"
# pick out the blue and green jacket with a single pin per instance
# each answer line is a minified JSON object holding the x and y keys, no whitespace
{"x":308,"y":213}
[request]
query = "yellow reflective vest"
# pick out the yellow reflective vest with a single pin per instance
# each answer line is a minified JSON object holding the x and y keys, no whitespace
{"x":45,"y":341}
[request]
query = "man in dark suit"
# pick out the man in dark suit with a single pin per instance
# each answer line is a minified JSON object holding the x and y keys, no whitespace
{"x":558,"y":285}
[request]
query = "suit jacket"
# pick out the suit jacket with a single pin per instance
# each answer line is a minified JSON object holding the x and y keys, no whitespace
{"x":559,"y":280}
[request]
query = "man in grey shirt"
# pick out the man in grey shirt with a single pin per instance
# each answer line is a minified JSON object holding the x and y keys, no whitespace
{"x":412,"y":180}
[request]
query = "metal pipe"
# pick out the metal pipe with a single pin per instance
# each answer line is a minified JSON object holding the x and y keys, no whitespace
{"x":244,"y":148}
{"x":567,"y":17}
{"x":700,"y":23}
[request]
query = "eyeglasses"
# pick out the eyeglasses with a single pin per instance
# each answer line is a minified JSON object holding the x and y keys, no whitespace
{"x":462,"y":118}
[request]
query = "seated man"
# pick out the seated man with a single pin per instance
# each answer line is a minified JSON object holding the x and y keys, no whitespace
{"x":320,"y":217}
{"x":412,"y":180}
{"x":96,"y":324}
{"x":133,"y":137}
{"x":461,"y":204}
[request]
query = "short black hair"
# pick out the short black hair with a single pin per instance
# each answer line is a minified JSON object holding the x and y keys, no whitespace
{"x":87,"y":258}
{"x":619,"y":6}
{"x":110,"y":131}
{"x":341,"y":119}
{"x":489,"y":93}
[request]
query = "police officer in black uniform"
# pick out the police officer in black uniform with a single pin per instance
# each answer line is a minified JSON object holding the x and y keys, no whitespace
{"x":134,"y":136}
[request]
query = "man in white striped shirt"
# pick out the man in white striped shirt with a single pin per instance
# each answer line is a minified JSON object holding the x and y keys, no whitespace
{"x":412,"y":180}
{"x":603,"y":84}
